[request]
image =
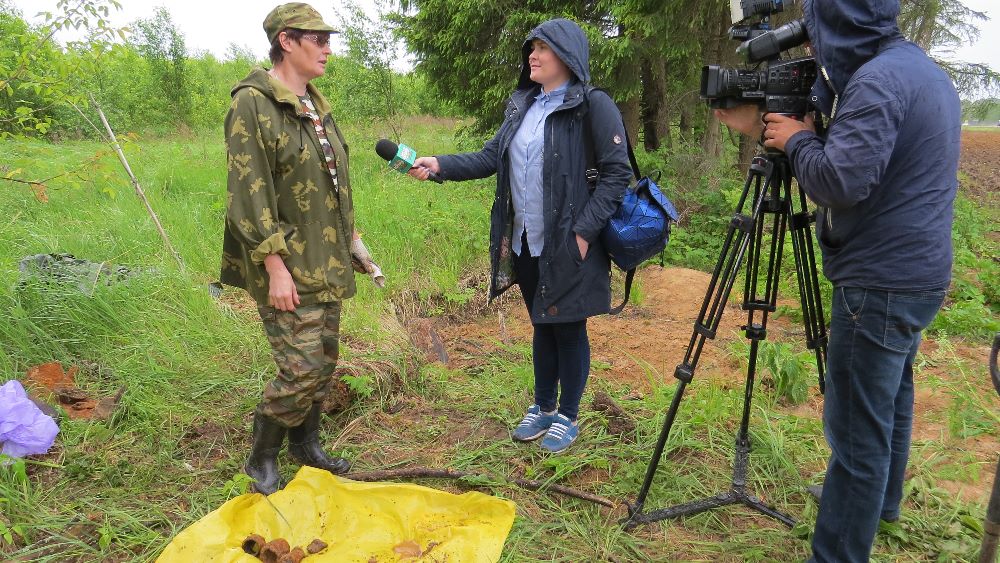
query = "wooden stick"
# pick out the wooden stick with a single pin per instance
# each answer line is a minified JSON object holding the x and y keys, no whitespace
{"x":135,"y":183}
{"x":432,"y":473}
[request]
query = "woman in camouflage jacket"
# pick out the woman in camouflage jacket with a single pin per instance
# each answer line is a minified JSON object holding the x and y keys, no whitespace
{"x":289,"y":235}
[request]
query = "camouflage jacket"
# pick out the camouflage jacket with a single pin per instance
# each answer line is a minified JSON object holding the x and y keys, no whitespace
{"x":281,"y":196}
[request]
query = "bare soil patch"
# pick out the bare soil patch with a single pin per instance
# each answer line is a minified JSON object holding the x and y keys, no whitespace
{"x":57,"y":385}
{"x":980,"y":162}
{"x":640,"y":347}
{"x":644,"y":344}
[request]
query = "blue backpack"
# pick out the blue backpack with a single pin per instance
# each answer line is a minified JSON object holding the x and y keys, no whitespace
{"x":640,"y":227}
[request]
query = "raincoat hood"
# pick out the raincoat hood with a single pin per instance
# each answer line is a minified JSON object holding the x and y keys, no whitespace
{"x":567,"y":41}
{"x":846,"y":34}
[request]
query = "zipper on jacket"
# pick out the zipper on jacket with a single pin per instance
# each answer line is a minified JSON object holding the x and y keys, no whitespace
{"x":836,"y":96}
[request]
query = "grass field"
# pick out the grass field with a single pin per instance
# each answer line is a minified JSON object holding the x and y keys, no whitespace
{"x":192,"y":368}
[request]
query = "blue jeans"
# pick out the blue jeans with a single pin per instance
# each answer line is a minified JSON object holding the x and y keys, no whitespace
{"x":868,"y":414}
{"x":560,"y":351}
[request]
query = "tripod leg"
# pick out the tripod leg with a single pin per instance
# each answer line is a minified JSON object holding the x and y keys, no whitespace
{"x":810,"y":297}
{"x":733,"y":250}
{"x":756,"y":304}
{"x":744,"y":232}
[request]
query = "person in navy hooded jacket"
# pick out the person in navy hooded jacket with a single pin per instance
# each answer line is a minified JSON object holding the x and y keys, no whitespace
{"x":546,"y":217}
{"x":884,"y":176}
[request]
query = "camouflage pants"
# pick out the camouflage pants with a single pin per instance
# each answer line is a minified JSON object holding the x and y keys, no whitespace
{"x":304,"y":343}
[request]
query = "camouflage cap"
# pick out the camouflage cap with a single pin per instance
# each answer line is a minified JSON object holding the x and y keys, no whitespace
{"x":296,"y":15}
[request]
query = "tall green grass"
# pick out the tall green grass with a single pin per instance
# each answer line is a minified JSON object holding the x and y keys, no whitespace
{"x":193,"y":367}
{"x":181,"y":355}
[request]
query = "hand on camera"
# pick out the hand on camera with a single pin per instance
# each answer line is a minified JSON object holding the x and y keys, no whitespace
{"x":744,"y":118}
{"x":423,"y":166}
{"x":780,"y":128}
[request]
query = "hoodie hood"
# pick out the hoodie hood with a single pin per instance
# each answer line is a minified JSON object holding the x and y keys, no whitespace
{"x":259,"y":79}
{"x":567,"y":41}
{"x":846,"y":34}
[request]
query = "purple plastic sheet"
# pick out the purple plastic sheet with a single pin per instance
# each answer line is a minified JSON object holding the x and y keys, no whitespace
{"x":24,"y":429}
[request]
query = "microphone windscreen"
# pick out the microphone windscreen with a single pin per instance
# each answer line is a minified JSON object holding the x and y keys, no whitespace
{"x":386,"y":149}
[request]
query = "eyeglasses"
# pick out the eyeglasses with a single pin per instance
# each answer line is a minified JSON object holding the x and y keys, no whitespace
{"x":320,"y":39}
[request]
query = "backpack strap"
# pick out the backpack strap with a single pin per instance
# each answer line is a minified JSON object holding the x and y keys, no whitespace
{"x":592,"y":176}
{"x":588,"y":141}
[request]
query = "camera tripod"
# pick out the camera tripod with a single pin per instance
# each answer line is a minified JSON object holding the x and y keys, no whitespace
{"x":768,"y":192}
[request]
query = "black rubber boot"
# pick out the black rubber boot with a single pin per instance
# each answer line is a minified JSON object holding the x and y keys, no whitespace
{"x":262,"y":465}
{"x":303,"y":445}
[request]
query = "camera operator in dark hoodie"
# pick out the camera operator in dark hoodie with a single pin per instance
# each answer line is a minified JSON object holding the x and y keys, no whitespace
{"x":884,"y":176}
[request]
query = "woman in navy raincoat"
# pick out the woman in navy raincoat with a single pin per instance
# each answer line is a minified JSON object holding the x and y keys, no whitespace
{"x":546,"y":217}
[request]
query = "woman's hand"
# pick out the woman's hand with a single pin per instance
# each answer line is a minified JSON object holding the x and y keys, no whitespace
{"x":281,"y":292}
{"x":361,"y":259}
{"x":423,"y":166}
{"x":583,"y":245}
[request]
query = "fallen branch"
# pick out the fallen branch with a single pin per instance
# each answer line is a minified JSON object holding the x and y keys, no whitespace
{"x":432,"y":473}
{"x":135,"y":183}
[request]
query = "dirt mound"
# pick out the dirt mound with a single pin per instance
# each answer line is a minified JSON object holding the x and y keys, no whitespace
{"x":641,"y":346}
{"x":645,"y":343}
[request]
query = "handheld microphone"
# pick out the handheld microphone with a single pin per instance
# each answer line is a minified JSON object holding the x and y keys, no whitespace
{"x":400,"y":157}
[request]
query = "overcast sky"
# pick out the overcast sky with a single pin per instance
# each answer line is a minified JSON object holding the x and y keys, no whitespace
{"x":212,"y":25}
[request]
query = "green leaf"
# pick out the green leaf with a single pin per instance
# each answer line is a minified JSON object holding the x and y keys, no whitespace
{"x":974,"y":524}
{"x":893,"y":530}
{"x":6,"y":534}
{"x":20,"y":470}
{"x":104,"y":542}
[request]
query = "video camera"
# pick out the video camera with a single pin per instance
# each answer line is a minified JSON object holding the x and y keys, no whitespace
{"x":782,"y":86}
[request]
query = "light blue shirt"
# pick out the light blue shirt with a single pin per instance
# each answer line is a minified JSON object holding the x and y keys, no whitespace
{"x":526,"y":150}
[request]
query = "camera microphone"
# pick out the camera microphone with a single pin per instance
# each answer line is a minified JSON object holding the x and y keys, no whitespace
{"x":770,"y":44}
{"x":400,"y":157}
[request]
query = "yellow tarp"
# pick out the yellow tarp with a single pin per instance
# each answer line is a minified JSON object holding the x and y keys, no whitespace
{"x":363,"y":522}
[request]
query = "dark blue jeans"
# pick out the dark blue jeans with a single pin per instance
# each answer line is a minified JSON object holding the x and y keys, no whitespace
{"x":868,"y":414}
{"x":560,"y":351}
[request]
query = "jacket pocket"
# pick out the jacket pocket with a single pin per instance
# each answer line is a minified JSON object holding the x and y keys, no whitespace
{"x":824,"y":229}
{"x":573,"y":249}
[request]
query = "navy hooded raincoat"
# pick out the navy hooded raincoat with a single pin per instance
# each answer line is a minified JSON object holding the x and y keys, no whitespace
{"x":569,"y":289}
{"x":885,"y":176}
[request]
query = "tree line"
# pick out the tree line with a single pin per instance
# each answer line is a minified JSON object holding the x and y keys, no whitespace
{"x":647,"y":53}
{"x":146,"y":78}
